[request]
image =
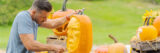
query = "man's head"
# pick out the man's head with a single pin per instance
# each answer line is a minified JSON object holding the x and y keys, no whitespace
{"x":40,"y":10}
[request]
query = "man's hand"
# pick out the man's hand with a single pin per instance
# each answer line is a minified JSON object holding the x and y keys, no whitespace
{"x":68,"y":16}
{"x":76,"y":12}
{"x":59,"y":49}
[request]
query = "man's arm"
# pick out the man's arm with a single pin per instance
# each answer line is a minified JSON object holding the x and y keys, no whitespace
{"x":54,"y":23}
{"x":33,"y":45}
{"x":50,"y":23}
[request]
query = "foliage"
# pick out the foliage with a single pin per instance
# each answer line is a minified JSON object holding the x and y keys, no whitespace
{"x":157,"y":1}
{"x":9,"y":9}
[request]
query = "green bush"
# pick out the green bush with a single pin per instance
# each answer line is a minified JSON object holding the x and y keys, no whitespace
{"x":157,"y":1}
{"x":93,"y":0}
{"x":9,"y":9}
{"x":152,"y":1}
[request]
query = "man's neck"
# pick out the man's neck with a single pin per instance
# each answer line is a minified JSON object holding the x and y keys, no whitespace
{"x":30,"y":12}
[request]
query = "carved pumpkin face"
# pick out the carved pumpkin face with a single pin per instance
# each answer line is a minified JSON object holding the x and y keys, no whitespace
{"x":60,"y":31}
{"x":79,"y":34}
{"x":156,"y":24}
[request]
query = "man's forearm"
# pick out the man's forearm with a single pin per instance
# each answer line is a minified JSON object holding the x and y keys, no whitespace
{"x":37,"y":46}
{"x":58,"y":22}
{"x":54,"y":23}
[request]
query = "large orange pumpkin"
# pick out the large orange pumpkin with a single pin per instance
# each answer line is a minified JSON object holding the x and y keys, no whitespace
{"x":62,"y":31}
{"x":117,"y":47}
{"x":156,"y":24}
{"x":147,"y":32}
{"x":79,"y":34}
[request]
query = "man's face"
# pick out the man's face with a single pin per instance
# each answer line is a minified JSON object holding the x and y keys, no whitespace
{"x":40,"y":16}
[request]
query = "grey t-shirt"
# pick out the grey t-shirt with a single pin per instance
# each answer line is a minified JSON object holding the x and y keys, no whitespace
{"x":23,"y":24}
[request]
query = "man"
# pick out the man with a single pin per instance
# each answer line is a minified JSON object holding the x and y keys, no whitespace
{"x":24,"y":29}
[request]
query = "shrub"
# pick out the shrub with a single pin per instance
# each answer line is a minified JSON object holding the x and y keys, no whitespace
{"x":9,"y":9}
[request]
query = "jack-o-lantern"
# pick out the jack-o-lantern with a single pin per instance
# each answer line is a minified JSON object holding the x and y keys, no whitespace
{"x":147,"y":32}
{"x":116,"y":47}
{"x":79,"y":34}
{"x":62,"y":31}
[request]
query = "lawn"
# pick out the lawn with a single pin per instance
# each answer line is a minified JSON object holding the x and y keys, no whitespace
{"x":108,"y":17}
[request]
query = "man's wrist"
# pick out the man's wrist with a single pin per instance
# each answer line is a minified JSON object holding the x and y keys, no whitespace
{"x":51,"y":48}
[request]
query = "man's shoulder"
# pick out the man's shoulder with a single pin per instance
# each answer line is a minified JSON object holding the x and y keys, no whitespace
{"x":23,"y":13}
{"x":23,"y":16}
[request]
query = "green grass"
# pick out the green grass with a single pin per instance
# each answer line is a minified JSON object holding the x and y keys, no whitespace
{"x":108,"y":17}
{"x":4,"y":36}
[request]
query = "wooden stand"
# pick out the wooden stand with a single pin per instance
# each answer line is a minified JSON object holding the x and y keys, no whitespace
{"x":53,"y":40}
{"x":144,"y":47}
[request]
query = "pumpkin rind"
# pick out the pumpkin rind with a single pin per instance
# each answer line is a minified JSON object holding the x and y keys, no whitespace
{"x":117,"y":48}
{"x":61,"y":13}
{"x":156,"y":24}
{"x":79,"y":35}
{"x":147,"y":33}
{"x":102,"y":49}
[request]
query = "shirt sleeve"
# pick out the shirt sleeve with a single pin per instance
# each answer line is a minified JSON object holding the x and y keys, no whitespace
{"x":25,"y":25}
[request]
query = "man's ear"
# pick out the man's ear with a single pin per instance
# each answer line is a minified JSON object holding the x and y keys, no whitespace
{"x":33,"y":12}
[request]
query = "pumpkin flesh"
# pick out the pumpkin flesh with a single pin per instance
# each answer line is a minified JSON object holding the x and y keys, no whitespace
{"x":79,"y":34}
{"x":61,"y":31}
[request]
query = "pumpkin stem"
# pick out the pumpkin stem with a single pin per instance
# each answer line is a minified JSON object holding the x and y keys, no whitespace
{"x":64,"y":5}
{"x":145,"y":21}
{"x":148,"y":20}
{"x":113,"y":38}
{"x":81,"y":12}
